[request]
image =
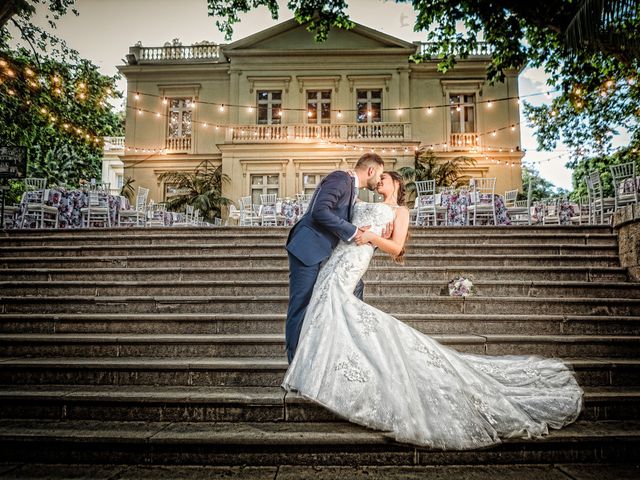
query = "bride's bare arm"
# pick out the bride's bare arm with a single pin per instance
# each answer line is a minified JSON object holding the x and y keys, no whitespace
{"x":394,"y":245}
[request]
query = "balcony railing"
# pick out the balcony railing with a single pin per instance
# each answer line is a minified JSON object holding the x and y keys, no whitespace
{"x":300,"y":133}
{"x":174,"y":53}
{"x":113,"y":143}
{"x":178,"y":144}
{"x":482,"y":49}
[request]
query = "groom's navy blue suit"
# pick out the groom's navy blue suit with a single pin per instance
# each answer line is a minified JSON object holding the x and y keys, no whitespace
{"x":311,"y":241}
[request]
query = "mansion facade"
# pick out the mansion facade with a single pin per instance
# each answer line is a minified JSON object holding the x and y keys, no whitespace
{"x":279,"y":111}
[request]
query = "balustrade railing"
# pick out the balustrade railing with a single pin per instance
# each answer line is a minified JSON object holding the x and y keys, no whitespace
{"x":113,"y":143}
{"x":463,"y":140}
{"x":481,"y":49}
{"x":178,"y":144}
{"x":376,"y":132}
{"x":172,"y":53}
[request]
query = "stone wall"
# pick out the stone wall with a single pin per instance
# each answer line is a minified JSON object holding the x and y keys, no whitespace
{"x":626,"y":222}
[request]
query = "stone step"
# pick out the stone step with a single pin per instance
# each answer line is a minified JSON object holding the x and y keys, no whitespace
{"x":232,"y":371}
{"x":272,"y":345}
{"x":395,"y":273}
{"x":278,"y":304}
{"x":378,"y":288}
{"x":251,"y":259}
{"x":278,"y":248}
{"x":209,"y":323}
{"x":573,"y":471}
{"x":291,"y":443}
{"x":223,"y":404}
{"x":532,"y":230}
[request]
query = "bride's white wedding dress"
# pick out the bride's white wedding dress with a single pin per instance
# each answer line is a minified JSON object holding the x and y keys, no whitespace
{"x":374,"y":370}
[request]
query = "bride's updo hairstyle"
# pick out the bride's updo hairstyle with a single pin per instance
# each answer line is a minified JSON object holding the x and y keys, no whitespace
{"x":400,"y":191}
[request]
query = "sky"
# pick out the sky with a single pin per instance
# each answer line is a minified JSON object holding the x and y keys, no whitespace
{"x":105,"y":29}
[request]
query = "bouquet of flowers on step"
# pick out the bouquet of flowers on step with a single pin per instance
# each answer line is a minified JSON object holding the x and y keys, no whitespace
{"x":461,"y":287}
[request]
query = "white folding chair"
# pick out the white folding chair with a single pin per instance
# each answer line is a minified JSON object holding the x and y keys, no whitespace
{"x":584,"y":214}
{"x":234,"y":215}
{"x":303,"y":200}
{"x":551,"y":213}
{"x":138,"y":215}
{"x":519,"y":211}
{"x":427,"y":205}
{"x":97,"y":210}
{"x":268,"y":212}
{"x":35,"y":197}
{"x":482,"y":202}
{"x":625,"y":184}
{"x":247,"y":215}
{"x":599,"y":205}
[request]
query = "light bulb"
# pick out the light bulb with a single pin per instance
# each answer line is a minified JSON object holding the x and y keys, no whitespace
{"x":399,"y":111}
{"x":429,"y":110}
{"x":221,"y":108}
{"x":339,"y":113}
{"x":489,"y":104}
{"x":513,"y":127}
{"x":137,"y":96}
{"x":494,"y":133}
{"x":164,"y":101}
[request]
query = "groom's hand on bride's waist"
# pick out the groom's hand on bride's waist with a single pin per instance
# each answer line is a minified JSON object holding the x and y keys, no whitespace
{"x":362,"y":235}
{"x":358,"y":237}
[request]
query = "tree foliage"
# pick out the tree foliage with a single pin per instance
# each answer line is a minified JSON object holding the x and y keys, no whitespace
{"x":428,"y":167}
{"x":52,"y":101}
{"x":590,"y":54}
{"x":200,"y":188}
{"x":540,"y":187}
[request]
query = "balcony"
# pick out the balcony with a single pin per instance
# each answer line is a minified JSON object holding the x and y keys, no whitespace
{"x":301,"y":133}
{"x":178,"y":144}
{"x":112,"y":144}
{"x":482,"y":49}
{"x":463,"y":141}
{"x":203,"y":53}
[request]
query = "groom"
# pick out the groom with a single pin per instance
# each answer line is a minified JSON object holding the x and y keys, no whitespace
{"x":317,"y":233}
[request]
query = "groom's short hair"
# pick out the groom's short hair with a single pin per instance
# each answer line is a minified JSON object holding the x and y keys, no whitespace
{"x":369,"y":159}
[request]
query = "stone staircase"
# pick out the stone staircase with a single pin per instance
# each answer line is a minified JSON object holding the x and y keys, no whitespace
{"x":166,"y":346}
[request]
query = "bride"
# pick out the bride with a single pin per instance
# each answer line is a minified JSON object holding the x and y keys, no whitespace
{"x":372,"y":369}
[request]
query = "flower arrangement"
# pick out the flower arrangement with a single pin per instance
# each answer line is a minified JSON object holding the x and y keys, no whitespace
{"x":461,"y":287}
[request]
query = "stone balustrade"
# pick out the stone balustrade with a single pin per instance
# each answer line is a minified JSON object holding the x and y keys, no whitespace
{"x":292,"y":133}
{"x":113,"y":143}
{"x":482,"y":49}
{"x":175,"y":53}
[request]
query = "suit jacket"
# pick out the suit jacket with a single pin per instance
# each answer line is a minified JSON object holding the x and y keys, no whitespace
{"x":326,"y":221}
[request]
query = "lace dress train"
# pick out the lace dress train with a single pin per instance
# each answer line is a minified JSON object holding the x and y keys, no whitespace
{"x":376,"y":371}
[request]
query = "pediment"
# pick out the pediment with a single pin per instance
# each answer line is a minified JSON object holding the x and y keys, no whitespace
{"x":290,"y":35}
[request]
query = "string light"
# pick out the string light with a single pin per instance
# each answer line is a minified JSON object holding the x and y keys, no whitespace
{"x":222,"y":107}
{"x":489,"y":104}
